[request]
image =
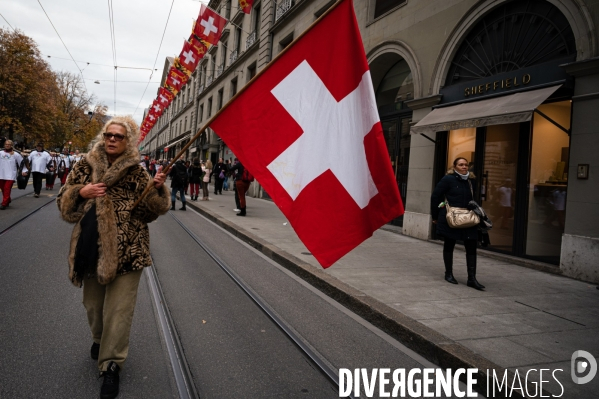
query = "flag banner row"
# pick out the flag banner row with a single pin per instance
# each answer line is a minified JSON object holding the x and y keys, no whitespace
{"x":206,"y":32}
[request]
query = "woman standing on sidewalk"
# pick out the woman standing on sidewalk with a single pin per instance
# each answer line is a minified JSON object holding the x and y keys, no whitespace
{"x":457,"y":188}
{"x":195,"y":179}
{"x":206,"y":179}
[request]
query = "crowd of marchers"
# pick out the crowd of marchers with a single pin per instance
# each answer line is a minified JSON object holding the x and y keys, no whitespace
{"x":189,"y":178}
{"x":39,"y":164}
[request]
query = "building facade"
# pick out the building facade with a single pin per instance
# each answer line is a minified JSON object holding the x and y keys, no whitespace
{"x":511,"y":85}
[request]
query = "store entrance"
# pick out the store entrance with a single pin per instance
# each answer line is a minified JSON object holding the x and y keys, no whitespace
{"x":522,"y":179}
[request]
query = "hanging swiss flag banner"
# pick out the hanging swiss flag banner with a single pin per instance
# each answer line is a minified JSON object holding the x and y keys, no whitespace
{"x":209,"y":26}
{"x":176,"y":79}
{"x":246,"y":5}
{"x":156,"y":109}
{"x":165,"y":97}
{"x":312,"y":137}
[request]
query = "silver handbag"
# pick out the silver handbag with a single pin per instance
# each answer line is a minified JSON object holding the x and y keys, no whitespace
{"x":461,"y":218}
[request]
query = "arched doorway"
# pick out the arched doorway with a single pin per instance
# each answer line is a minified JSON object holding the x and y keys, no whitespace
{"x":395,"y":86}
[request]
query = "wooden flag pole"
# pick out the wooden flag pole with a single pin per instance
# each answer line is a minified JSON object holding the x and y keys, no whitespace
{"x":197,"y":135}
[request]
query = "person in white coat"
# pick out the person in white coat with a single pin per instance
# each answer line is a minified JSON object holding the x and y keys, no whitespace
{"x":38,"y":161}
{"x":9,"y":166}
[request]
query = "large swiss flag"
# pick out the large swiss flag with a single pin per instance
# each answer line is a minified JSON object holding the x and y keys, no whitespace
{"x":308,"y":129}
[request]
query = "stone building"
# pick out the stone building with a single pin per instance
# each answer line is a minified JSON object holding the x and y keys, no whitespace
{"x":512,"y":85}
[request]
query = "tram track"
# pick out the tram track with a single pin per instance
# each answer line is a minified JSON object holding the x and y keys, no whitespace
{"x":183,"y":377}
{"x":31,"y":213}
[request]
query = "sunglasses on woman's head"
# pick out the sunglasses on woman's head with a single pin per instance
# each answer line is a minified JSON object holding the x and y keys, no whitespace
{"x":110,"y":136}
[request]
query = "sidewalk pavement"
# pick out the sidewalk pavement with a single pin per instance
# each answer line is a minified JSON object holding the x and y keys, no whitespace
{"x":526,"y":319}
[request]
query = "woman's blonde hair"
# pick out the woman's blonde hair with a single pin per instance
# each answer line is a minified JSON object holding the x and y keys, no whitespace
{"x":208,"y":164}
{"x":127,"y":122}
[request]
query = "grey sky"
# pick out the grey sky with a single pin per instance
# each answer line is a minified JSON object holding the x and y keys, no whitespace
{"x":84,"y":26}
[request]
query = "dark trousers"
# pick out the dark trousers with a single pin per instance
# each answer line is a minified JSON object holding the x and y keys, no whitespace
{"x":236,"y":195}
{"x":242,"y":188}
{"x":37,"y":181}
{"x":449,"y":245}
{"x":218,"y":185}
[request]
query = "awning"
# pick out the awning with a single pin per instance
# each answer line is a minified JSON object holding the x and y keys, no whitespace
{"x":170,"y":145}
{"x":513,"y":108}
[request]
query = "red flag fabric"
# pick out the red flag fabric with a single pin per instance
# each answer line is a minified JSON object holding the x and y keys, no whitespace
{"x":209,"y":26}
{"x":176,"y":79}
{"x":165,"y":97}
{"x":246,"y":5}
{"x":312,"y":137}
{"x":200,"y":45}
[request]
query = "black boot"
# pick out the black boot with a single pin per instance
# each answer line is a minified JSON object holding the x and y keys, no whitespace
{"x":173,"y":206}
{"x":183,"y":207}
{"x":110,"y":386}
{"x":471,"y":266}
{"x":242,"y":213}
{"x":95,"y":351}
{"x":448,"y":260}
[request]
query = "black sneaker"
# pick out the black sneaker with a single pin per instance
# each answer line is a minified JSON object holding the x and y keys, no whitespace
{"x":95,"y":351}
{"x":110,"y":386}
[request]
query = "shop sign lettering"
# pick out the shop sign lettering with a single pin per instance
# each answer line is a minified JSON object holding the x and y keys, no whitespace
{"x":509,"y":83}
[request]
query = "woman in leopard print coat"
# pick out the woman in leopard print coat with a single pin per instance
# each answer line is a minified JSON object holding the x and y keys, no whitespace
{"x":110,"y":244}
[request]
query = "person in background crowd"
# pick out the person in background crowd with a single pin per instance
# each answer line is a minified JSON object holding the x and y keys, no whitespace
{"x":109,"y":248}
{"x":188,"y":170}
{"x":195,"y":179}
{"x":52,"y":171}
{"x":227,"y":173}
{"x":67,"y":160}
{"x":152,"y":168}
{"x":233,"y":174}
{"x":76,"y":157}
{"x":10,"y":161}
{"x":179,"y":178}
{"x":38,"y":161}
{"x":206,"y":179}
{"x":219,"y":176}
{"x":457,"y":188}
{"x":241,"y":185}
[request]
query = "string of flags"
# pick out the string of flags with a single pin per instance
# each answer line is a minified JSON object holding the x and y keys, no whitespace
{"x":206,"y":33}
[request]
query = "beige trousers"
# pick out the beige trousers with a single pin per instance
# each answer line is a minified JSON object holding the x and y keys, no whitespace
{"x":109,"y":314}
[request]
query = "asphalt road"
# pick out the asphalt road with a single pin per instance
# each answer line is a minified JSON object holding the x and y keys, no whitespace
{"x":231,"y":347}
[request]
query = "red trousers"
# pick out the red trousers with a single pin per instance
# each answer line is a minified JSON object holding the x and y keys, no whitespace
{"x":6,"y":187}
{"x":195,"y":188}
{"x":242,"y":188}
{"x":63,"y":179}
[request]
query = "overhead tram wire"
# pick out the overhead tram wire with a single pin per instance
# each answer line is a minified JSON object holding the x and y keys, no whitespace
{"x":65,"y":46}
{"x":7,"y":22}
{"x":157,"y":54}
{"x":113,"y":43}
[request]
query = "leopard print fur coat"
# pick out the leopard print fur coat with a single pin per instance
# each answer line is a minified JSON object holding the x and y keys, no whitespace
{"x":124,"y":239}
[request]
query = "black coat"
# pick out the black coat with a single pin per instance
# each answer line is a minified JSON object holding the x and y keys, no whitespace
{"x":195,"y":174}
{"x":218,"y":168}
{"x":458,"y":194}
{"x":179,"y":175}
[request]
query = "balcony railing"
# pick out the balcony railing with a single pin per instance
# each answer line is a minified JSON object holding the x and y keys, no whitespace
{"x":209,"y":80}
{"x":233,"y":57}
{"x":219,"y":70}
{"x":200,"y":89}
{"x":282,"y":8}
{"x":250,"y":40}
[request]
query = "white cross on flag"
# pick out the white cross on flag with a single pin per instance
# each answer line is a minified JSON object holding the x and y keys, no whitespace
{"x":190,"y":57}
{"x":209,"y":25}
{"x":310,"y":134}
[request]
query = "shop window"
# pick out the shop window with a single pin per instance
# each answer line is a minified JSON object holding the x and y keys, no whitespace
{"x":461,"y":144}
{"x":548,"y":182}
{"x":396,"y":87}
{"x":383,"y":6}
